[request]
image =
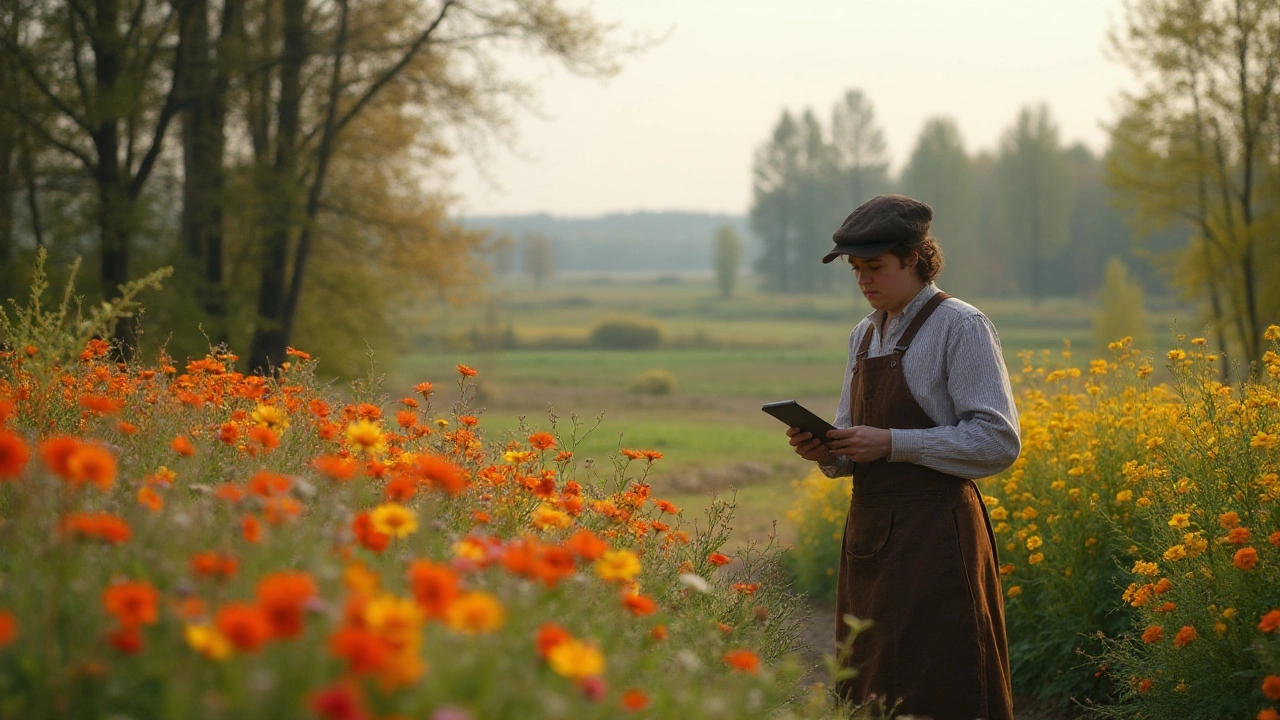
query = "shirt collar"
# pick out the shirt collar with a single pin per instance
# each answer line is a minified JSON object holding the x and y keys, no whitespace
{"x":877,"y":316}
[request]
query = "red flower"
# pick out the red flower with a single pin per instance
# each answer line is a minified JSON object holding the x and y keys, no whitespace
{"x":1270,"y":621}
{"x":639,"y":605}
{"x":8,"y":628}
{"x":717,"y":559}
{"x":131,"y":603}
{"x":245,"y":626}
{"x":127,"y":639}
{"x":542,"y":441}
{"x":435,"y":587}
{"x":742,"y":661}
{"x":281,"y":597}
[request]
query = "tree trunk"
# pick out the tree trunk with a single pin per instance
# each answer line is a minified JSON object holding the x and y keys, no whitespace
{"x":268,"y":336}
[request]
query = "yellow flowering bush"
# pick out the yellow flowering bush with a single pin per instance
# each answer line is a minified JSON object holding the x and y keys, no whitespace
{"x":818,"y":514}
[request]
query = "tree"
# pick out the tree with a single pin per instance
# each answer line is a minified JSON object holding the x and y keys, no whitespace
{"x":1120,"y":312}
{"x":539,"y":258}
{"x":940,"y":173}
{"x":1036,"y":187}
{"x":861,"y":153}
{"x":728,"y":257}
{"x":1196,"y":147}
{"x":105,"y":88}
{"x":774,"y":213}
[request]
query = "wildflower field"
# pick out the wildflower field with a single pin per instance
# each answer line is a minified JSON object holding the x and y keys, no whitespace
{"x":1138,"y":535}
{"x":183,"y":540}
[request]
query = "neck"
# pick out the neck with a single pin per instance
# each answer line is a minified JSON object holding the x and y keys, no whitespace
{"x":911,"y":295}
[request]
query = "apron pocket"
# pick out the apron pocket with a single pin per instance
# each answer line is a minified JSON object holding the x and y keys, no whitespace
{"x":869,"y":528}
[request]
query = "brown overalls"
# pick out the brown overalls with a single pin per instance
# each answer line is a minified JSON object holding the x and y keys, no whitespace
{"x":919,"y":560}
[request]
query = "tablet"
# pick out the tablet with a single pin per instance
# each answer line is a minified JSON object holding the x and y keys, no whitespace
{"x":798,"y":416}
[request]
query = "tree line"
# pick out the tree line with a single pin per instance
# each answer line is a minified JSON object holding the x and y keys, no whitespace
{"x":284,"y":156}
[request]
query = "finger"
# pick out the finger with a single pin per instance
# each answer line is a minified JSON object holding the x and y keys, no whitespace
{"x":793,"y":431}
{"x":799,"y":438}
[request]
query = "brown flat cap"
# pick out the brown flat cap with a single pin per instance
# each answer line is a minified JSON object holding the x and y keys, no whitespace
{"x":879,"y":224}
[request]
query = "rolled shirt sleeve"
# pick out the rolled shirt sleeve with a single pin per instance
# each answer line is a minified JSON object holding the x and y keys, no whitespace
{"x":985,"y":440}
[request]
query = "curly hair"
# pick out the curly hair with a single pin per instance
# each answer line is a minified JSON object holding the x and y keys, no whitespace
{"x":929,"y":256}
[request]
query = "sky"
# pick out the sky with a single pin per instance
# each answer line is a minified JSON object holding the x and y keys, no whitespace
{"x":677,"y":127}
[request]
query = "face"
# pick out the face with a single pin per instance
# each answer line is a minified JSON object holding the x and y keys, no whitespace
{"x":886,"y":282}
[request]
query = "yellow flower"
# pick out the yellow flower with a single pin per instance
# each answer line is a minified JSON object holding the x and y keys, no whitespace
{"x":1265,"y":441}
{"x":515,"y":457}
{"x":1014,"y":591}
{"x":1272,"y":333}
{"x":1177,"y":354}
{"x":1180,"y":520}
{"x":475,"y":613}
{"x":575,"y":659}
{"x":1149,"y":569}
{"x":206,"y":640}
{"x":1177,"y":552}
{"x":1124,"y":496}
{"x":1030,"y":513}
{"x":1036,"y":558}
{"x":365,"y":436}
{"x":396,"y":619}
{"x":999,"y":514}
{"x":1034,"y":542}
{"x":271,"y":416}
{"x":546,"y":517}
{"x":618,"y":565}
{"x":394,"y":519}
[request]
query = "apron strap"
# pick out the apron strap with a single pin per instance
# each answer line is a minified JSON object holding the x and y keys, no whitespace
{"x":866,"y":341}
{"x":918,"y":321}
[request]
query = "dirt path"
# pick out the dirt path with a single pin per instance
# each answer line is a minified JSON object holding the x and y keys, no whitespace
{"x":818,"y":638}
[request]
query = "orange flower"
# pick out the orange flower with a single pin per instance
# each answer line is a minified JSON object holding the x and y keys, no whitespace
{"x":639,"y":605}
{"x":264,"y":437}
{"x":246,"y":626}
{"x":549,"y":636}
{"x":1238,"y":536}
{"x":659,"y":633}
{"x":182,"y":446}
{"x":126,"y":428}
{"x":1163,"y":586}
{"x":666,"y":507}
{"x":229,"y":433}
{"x":440,"y":473}
{"x":1153,"y":634}
{"x":1228,"y":520}
{"x":542,"y":441}
{"x":746,"y":588}
{"x":1271,"y":687}
{"x":435,"y":587}
{"x":300,"y":354}
{"x":92,"y":464}
{"x":251,"y":529}
{"x":634,"y":700}
{"x":100,"y":404}
{"x":281,"y":597}
{"x":101,"y":526}
{"x":651,"y":455}
{"x":717,"y":559}
{"x":400,"y":489}
{"x":586,"y":545}
{"x":1268,"y":714}
{"x":266,"y":484}
{"x":150,"y":499}
{"x":466,"y":371}
{"x":370,"y":538}
{"x":742,"y":661}
{"x":13,"y":455}
{"x":1245,"y":558}
{"x":214,"y":564}
{"x":132,"y":603}
{"x":56,"y":453}
{"x":335,"y":468}
{"x":1185,"y":636}
{"x":1274,"y":539}
{"x":8,"y":628}
{"x":423,"y":389}
{"x":364,"y":651}
{"x":1270,"y":621}
{"x":230,"y":492}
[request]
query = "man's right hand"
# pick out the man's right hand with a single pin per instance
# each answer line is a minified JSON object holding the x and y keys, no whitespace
{"x":809,"y":447}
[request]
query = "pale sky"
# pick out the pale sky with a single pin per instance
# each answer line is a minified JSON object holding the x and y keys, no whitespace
{"x":677,"y":127}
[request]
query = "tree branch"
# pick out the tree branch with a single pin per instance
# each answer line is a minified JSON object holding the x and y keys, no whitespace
{"x":44,"y":89}
{"x":48,"y":137}
{"x":171,"y":108}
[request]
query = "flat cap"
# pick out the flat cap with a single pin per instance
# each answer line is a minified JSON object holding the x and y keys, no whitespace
{"x":879,"y":224}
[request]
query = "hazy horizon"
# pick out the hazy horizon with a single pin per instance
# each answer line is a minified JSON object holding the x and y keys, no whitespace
{"x":676,"y":129}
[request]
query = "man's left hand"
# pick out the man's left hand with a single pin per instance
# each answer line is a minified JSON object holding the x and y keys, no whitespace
{"x":861,"y":443}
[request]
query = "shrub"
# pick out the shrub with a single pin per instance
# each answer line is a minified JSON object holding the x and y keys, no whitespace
{"x":627,"y":334}
{"x":654,"y":382}
{"x":818,"y":514}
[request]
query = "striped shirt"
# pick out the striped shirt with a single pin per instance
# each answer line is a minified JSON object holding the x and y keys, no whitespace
{"x":955,"y":370}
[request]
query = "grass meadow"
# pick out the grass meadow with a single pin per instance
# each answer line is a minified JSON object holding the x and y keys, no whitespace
{"x":727,"y":357}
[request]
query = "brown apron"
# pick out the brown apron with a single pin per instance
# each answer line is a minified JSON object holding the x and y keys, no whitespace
{"x":919,"y":560}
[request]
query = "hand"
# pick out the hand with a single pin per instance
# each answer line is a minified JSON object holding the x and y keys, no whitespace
{"x":809,"y":447}
{"x":861,"y":443}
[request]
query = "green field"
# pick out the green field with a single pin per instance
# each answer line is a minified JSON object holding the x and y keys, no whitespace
{"x":727,"y":358}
